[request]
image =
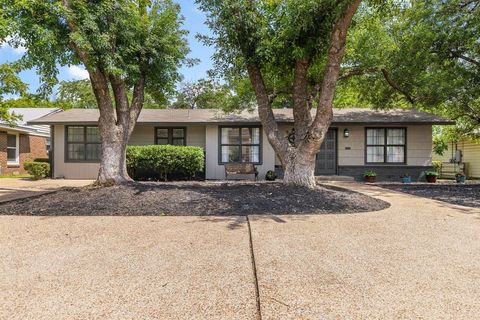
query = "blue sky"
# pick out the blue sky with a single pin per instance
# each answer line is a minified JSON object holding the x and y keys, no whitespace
{"x":194,"y":22}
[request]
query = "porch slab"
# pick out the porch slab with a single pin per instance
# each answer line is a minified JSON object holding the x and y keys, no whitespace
{"x":333,"y":178}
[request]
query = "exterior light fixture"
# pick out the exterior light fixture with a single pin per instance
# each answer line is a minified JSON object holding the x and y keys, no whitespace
{"x":346,"y":133}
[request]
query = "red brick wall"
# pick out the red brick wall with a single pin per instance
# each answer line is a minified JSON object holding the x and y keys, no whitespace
{"x":31,"y":147}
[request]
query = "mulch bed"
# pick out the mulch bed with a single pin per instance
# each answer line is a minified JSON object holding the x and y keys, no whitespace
{"x":194,"y":199}
{"x":462,"y":194}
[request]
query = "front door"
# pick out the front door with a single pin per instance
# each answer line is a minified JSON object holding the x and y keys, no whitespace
{"x":326,"y":163}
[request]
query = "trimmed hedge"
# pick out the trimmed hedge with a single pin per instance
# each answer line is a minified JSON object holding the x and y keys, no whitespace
{"x":165,"y":160}
{"x":38,"y":170}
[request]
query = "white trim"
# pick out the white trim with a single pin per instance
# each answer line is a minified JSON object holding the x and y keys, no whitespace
{"x":17,"y":149}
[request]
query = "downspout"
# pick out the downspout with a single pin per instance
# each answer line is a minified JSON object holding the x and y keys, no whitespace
{"x":51,"y":152}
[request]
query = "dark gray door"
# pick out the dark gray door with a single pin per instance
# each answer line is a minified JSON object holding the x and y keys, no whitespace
{"x":326,"y":163}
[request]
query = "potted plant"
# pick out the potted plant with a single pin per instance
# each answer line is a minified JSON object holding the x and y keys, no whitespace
{"x":370,"y":176}
{"x":431,"y":176}
{"x":406,"y":178}
{"x":271,"y":175}
{"x":460,"y":177}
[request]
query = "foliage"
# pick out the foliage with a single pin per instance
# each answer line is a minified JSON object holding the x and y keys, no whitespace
{"x":138,"y":38}
{"x":437,"y":165}
{"x":10,"y":83}
{"x":273,"y":35}
{"x":431,"y":173}
{"x":128,"y":47}
{"x":203,"y":94}
{"x":37,"y":169}
{"x":271,"y":175}
{"x":422,"y":54}
{"x":369,"y":173}
{"x":79,"y":94}
{"x":166,"y":159}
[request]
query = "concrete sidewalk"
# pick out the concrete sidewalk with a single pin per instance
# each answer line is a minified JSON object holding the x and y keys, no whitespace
{"x":19,"y":188}
{"x":419,"y":259}
{"x":125,"y":268}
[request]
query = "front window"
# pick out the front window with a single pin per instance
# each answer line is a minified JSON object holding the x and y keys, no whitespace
{"x":386,"y":145}
{"x":12,"y":149}
{"x":173,"y":136}
{"x":83,"y":143}
{"x":240,"y":145}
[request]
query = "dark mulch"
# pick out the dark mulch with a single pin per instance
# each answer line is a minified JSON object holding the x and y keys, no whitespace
{"x":195,"y":198}
{"x":462,"y":194}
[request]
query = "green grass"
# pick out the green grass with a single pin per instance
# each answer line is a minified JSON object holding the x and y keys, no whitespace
{"x":23,"y":175}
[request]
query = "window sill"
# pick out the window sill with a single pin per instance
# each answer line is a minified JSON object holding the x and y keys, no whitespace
{"x":13,"y":165}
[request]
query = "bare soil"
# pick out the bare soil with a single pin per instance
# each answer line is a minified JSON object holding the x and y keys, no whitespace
{"x":194,"y":199}
{"x":462,"y":194}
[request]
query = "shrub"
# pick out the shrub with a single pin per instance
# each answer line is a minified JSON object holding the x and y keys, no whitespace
{"x":431,"y":173}
{"x":369,"y":173}
{"x":165,"y":160}
{"x":271,"y":175}
{"x":437,"y":165}
{"x":38,"y":170}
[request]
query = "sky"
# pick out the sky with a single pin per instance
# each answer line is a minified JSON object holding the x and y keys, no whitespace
{"x":194,"y":23}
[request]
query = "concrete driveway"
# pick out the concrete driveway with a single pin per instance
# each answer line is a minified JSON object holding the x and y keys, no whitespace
{"x":418,"y":259}
{"x":18,"y":188}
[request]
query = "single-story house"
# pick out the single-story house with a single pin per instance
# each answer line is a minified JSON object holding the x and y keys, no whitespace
{"x":463,"y":155}
{"x":390,"y":142}
{"x":23,"y":142}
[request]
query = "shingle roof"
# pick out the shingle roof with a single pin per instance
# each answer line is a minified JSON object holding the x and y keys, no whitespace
{"x":176,"y":116}
{"x":27,"y":115}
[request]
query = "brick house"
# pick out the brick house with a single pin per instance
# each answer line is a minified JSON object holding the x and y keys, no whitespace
{"x":22,"y":142}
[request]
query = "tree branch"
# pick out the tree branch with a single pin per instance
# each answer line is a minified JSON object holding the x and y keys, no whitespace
{"x":265,"y":111}
{"x":357,"y":72}
{"x":137,"y":101}
{"x":466,"y":58}
{"x":336,"y":51}
{"x":395,"y":86}
{"x":301,"y":107}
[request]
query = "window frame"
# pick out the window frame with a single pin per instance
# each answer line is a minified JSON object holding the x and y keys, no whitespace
{"x":170,"y":137}
{"x":85,"y":143}
{"x":16,"y":162}
{"x":240,"y":144}
{"x":385,"y":146}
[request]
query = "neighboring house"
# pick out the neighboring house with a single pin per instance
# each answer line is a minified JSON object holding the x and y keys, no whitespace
{"x":464,"y":154}
{"x":23,"y":142}
{"x":391,"y":142}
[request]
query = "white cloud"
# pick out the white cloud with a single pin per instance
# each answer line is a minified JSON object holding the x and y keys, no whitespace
{"x":78,"y":72}
{"x":19,"y":50}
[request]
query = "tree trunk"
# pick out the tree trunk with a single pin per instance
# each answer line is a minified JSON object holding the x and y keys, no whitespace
{"x":113,"y":166}
{"x":299,"y":169}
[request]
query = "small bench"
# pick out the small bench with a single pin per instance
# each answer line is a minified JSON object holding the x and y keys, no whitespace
{"x":240,"y":168}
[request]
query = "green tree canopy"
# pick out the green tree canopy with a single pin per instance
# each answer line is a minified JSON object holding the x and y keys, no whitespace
{"x":125,"y":45}
{"x":291,"y":51}
{"x":422,"y":54}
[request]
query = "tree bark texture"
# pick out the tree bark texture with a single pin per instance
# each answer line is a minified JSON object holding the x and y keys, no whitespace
{"x":298,"y":158}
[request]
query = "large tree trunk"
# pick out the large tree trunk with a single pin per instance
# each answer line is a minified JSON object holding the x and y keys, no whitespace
{"x":113,"y":167}
{"x":298,"y":158}
{"x":299,"y":169}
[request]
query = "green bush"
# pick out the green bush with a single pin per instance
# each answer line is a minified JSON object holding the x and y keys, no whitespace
{"x":431,"y":173}
{"x":38,"y":170}
{"x":165,"y":160}
{"x":369,"y":173}
{"x":437,"y":165}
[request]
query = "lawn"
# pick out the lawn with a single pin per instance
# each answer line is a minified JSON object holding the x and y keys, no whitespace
{"x":18,"y":176}
{"x":195,"y":198}
{"x":462,"y":194}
